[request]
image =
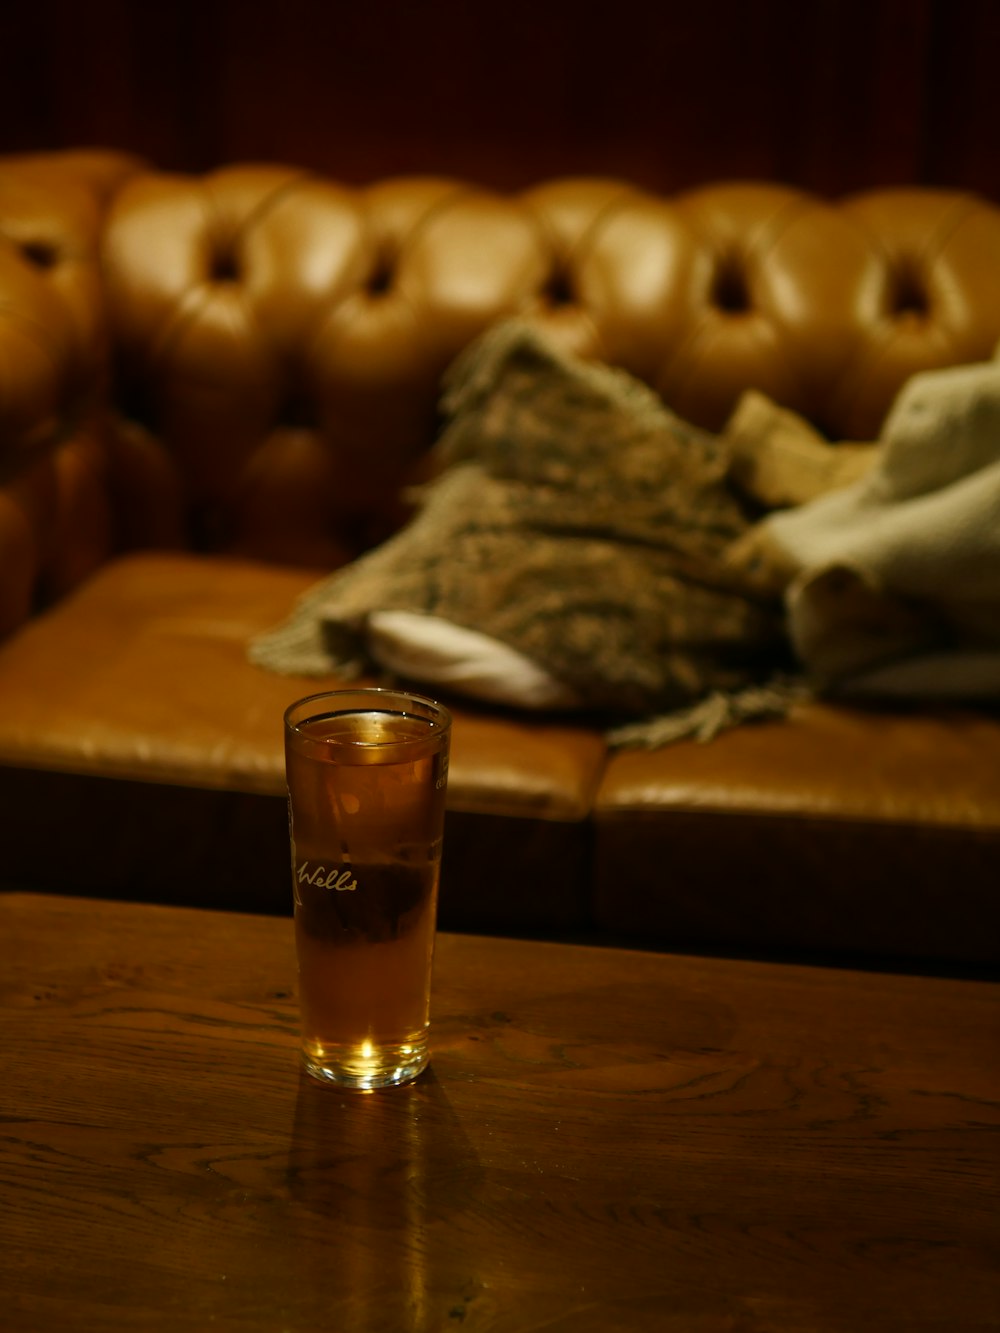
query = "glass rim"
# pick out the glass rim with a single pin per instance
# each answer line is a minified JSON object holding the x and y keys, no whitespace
{"x":439,"y":724}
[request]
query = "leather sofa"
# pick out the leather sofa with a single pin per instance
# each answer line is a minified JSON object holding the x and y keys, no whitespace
{"x":214,"y":390}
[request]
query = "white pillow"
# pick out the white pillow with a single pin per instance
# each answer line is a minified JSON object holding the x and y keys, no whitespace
{"x":437,"y":652}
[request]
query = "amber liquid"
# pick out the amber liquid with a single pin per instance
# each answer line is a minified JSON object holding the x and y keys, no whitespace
{"x":367,"y":808}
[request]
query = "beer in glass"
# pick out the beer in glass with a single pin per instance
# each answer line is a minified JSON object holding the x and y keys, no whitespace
{"x":367,"y":771}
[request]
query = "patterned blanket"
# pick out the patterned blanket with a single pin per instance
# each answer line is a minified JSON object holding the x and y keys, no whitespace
{"x":577,"y":521}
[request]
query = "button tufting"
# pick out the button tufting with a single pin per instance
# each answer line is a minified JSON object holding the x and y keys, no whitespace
{"x":729,"y":289}
{"x":224,"y":267}
{"x":41,"y":254}
{"x":909,"y":292}
{"x":558,"y":289}
{"x":380,"y":280}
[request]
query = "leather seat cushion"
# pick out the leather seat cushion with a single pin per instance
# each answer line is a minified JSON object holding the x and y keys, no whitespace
{"x":142,"y":674}
{"x":141,"y":755}
{"x":840,"y":828}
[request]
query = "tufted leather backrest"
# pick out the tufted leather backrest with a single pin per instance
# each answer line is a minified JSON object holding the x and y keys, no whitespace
{"x":281,"y":338}
{"x":277,"y":340}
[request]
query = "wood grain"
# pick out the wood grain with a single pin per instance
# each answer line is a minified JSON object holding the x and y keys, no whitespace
{"x":606,"y":1140}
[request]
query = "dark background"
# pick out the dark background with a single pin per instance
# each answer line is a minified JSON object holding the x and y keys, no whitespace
{"x":832,"y":95}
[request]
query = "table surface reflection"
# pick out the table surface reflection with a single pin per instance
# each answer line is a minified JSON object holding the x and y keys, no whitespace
{"x":605,"y":1140}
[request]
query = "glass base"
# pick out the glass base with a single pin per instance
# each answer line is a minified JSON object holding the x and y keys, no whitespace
{"x":366,"y":1065}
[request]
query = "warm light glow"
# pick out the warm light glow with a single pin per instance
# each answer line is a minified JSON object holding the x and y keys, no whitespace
{"x":367,"y":1050}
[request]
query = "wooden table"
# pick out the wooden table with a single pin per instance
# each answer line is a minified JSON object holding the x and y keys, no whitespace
{"x":606,"y":1141}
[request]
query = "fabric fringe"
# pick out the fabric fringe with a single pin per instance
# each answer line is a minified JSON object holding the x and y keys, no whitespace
{"x":711,"y":715}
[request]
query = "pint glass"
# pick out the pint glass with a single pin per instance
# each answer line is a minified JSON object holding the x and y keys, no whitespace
{"x":367,"y":771}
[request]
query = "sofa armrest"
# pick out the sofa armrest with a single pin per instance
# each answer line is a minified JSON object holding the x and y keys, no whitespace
{"x":56,"y":524}
{"x":55,"y":507}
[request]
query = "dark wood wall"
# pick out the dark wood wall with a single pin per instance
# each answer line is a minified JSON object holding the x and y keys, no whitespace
{"x":834,"y":95}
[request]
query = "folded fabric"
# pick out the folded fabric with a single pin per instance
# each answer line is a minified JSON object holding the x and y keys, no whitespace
{"x":578,"y":524}
{"x":779,"y":460}
{"x":892,"y":583}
